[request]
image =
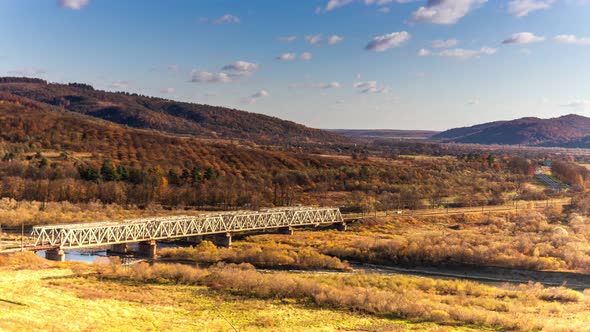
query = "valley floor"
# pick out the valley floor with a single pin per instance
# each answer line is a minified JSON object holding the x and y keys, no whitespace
{"x":55,"y":299}
{"x":544,"y":246}
{"x":37,"y":295}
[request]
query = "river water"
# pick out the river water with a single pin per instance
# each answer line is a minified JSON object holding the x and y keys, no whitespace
{"x":495,"y":276}
{"x":90,"y":255}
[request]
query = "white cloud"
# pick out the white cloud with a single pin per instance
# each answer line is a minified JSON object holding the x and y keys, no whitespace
{"x":73,"y":4}
{"x":475,"y":101}
{"x":331,"y":85}
{"x":318,"y":40}
{"x":444,"y":43}
{"x":254,"y":98}
{"x":314,"y":40}
{"x":377,"y":2}
{"x":203,"y":76}
{"x":571,"y":39}
{"x":306,"y":56}
{"x":466,"y":54}
{"x":311,"y":85}
{"x":241,"y":68}
{"x":384,"y":10}
{"x":521,"y":8}
{"x":287,"y":39}
{"x":287,"y":56}
{"x":385,"y":42}
{"x":30,"y":71}
{"x":261,"y":94}
{"x":334,"y":39}
{"x":370,"y":87}
{"x":229,"y":73}
{"x":459,"y":53}
{"x":120,"y":84}
{"x":445,"y":11}
{"x":424,"y":52}
{"x":334,"y":4}
{"x":581,"y":104}
{"x":227,"y":18}
{"x":523,"y":38}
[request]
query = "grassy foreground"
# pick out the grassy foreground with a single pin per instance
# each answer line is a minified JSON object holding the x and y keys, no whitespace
{"x":36,"y":295}
{"x":45,"y":297}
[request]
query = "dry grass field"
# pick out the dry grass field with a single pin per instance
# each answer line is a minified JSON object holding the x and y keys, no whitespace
{"x":41,"y":296}
{"x":533,"y":240}
{"x":46,"y":297}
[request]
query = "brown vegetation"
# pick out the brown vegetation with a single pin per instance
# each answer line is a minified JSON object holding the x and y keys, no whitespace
{"x":441,"y":301}
{"x":14,"y":213}
{"x":570,"y":173}
{"x":269,"y":255}
{"x":527,"y":240}
{"x":23,"y":261}
{"x":566,"y":131}
{"x":51,"y":155}
{"x":165,"y":115}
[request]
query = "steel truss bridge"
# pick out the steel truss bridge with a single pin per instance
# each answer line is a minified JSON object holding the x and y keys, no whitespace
{"x":85,"y":235}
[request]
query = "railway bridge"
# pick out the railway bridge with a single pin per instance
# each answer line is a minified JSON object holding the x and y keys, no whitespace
{"x":145,"y":232}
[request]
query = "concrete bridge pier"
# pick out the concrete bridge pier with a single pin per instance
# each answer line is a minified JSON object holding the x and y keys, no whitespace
{"x":195,"y":239}
{"x":121,"y":248}
{"x":147,"y":249}
{"x":223,"y":240}
{"x":56,"y":254}
{"x":341,"y":226}
{"x":286,"y":230}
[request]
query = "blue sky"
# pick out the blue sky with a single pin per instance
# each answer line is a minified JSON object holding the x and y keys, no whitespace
{"x":403,"y":64}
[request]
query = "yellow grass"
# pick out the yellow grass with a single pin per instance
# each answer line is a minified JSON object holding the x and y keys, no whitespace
{"x":56,"y":300}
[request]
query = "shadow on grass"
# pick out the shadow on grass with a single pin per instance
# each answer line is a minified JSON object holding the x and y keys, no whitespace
{"x":12,"y":302}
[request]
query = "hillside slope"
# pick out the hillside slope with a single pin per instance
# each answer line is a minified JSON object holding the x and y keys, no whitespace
{"x":565,"y":131}
{"x":31,"y":126}
{"x":165,"y":115}
{"x":49,"y":154}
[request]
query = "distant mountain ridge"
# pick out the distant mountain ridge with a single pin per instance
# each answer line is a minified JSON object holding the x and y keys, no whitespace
{"x":386,"y":134}
{"x":168,"y":116}
{"x":566,"y":131}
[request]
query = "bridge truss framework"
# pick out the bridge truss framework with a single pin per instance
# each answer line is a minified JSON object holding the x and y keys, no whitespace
{"x":150,"y":229}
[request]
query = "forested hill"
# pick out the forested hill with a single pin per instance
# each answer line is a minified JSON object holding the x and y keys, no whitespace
{"x":565,"y":131}
{"x":172,"y":117}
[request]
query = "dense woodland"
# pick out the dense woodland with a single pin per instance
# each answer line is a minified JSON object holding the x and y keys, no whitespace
{"x":571,"y":173}
{"x":51,"y":154}
{"x":168,"y":116}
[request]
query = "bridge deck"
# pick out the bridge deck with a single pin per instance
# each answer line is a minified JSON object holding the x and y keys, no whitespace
{"x":137,"y":230}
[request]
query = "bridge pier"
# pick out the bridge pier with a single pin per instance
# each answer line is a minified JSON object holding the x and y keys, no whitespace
{"x":147,"y":249}
{"x":121,"y":248}
{"x":224,"y":224}
{"x":223,"y":240}
{"x":56,"y":254}
{"x":341,"y":226}
{"x":286,"y":230}
{"x":195,"y":239}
